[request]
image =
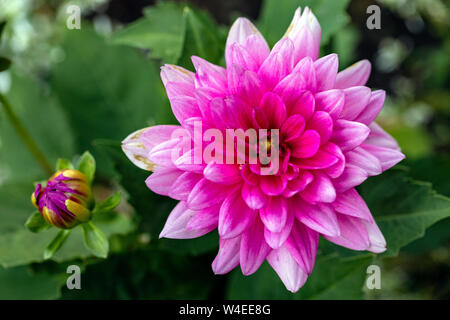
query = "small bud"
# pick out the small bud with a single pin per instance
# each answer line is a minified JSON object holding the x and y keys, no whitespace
{"x":64,"y":202}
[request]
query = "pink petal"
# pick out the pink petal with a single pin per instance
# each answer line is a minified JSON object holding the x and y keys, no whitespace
{"x":278,"y":64}
{"x":320,"y":218}
{"x":372,"y":109}
{"x":355,"y":75}
{"x":304,"y":106}
{"x":299,"y":183}
{"x":302,"y":245}
{"x":254,"y":249}
{"x":206,"y":218}
{"x":192,"y":161}
{"x":276,"y":239}
{"x":162,"y":179}
{"x":155,"y":135}
{"x":351,"y":203}
{"x":326,"y":71}
{"x":274,"y":109}
{"x":292,"y":127}
{"x":235,"y":216}
{"x":353,"y":233}
{"x":379,"y":137}
{"x":377,"y":241}
{"x":275,"y":214}
{"x":306,"y":145}
{"x":164,"y":153}
{"x":321,"y":160}
{"x":209,"y":75}
{"x":254,"y":197}
{"x":364,"y":160}
{"x":349,"y":134}
{"x":176,"y":224}
{"x":243,"y":32}
{"x":183,"y":185}
{"x":222,"y":173}
{"x":331,"y":101}
{"x":136,"y":151}
{"x":184,"y":107}
{"x":237,"y":54}
{"x":306,"y":68}
{"x":356,"y":99}
{"x":228,"y":256}
{"x":206,"y":194}
{"x":179,"y":89}
{"x":290,"y":89}
{"x":387,"y":157}
{"x":245,"y":84}
{"x":323,"y":124}
{"x":287,"y":268}
{"x":351,"y":177}
{"x":335,"y":170}
{"x":273,"y":185}
{"x":321,"y":189}
{"x":172,"y":73}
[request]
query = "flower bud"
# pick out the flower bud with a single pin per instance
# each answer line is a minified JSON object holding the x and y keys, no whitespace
{"x":64,"y":202}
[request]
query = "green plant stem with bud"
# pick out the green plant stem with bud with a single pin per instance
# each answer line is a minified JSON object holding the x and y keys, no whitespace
{"x":25,"y":136}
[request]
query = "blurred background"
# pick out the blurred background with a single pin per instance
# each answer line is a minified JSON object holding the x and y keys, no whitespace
{"x":87,"y":89}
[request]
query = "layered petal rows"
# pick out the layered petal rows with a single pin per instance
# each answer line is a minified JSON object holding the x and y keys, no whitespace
{"x":328,"y":143}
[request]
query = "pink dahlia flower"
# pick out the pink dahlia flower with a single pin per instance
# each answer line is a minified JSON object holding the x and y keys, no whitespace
{"x":327,"y":144}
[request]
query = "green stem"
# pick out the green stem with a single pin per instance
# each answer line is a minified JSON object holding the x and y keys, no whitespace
{"x":25,"y":136}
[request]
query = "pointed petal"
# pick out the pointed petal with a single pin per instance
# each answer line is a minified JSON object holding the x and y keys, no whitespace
{"x":183,"y":185}
{"x":365,"y":160}
{"x":155,"y":135}
{"x":254,"y":197}
{"x":320,"y":218}
{"x":335,"y":170}
{"x":355,"y":75}
{"x":206,"y":194}
{"x":370,"y":112}
{"x":351,"y":203}
{"x":351,"y":177}
{"x":387,"y":157}
{"x":353,"y":233}
{"x":379,"y":137}
{"x":306,"y":145}
{"x":306,"y":68}
{"x":376,"y":238}
{"x":184,"y":107}
{"x":331,"y":101}
{"x":321,"y":189}
{"x":173,"y":73}
{"x":356,"y":99}
{"x":273,"y":185}
{"x":162,"y":179}
{"x":136,"y":151}
{"x":234,"y":216}
{"x":176,"y":224}
{"x":349,"y":134}
{"x":302,"y":245}
{"x":276,"y":239}
{"x":326,"y":71}
{"x":254,"y":249}
{"x":275,"y":214}
{"x":323,"y":124}
{"x":228,"y":256}
{"x":321,"y":160}
{"x":287,"y":269}
{"x":274,"y":108}
{"x":206,"y":218}
{"x":292,"y":127}
{"x":222,"y":173}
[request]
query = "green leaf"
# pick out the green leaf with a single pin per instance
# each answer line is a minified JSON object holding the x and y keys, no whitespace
{"x":63,"y":164}
{"x":333,"y":277}
{"x":21,"y":283}
{"x":276,"y":15}
{"x":5,"y":63}
{"x":86,"y":164}
{"x":203,"y":38}
{"x":41,"y":114}
{"x":35,"y":223}
{"x":113,"y":99}
{"x":403,"y":208}
{"x":161,"y":31}
{"x":95,"y":240}
{"x":108,"y":204}
{"x":56,"y":244}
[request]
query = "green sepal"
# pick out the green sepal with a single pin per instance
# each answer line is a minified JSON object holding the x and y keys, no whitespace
{"x":56,"y":244}
{"x":108,"y":204}
{"x":35,"y":223}
{"x":86,"y":164}
{"x":94,"y":240}
{"x":62,"y":164}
